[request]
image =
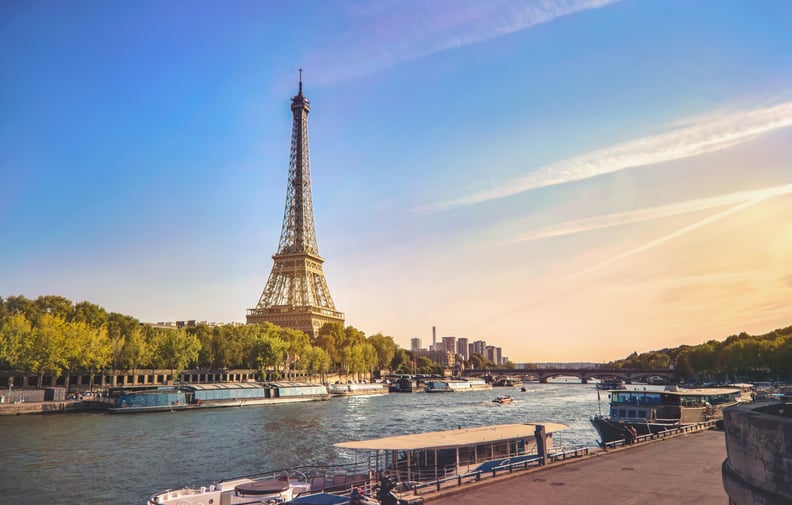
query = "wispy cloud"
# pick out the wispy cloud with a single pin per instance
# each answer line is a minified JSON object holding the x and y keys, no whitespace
{"x":759,"y":198}
{"x":390,"y":33}
{"x":650,"y":213}
{"x":694,"y":139}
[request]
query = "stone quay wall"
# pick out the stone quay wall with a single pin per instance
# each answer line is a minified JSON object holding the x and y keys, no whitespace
{"x":758,"y":466}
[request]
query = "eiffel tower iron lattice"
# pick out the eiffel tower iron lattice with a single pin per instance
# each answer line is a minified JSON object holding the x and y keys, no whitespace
{"x":296,"y":294}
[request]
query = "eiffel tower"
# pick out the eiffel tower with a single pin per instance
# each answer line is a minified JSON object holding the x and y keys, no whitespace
{"x":296,"y":294}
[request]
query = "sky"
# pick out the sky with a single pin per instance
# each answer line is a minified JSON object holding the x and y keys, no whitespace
{"x":569,"y":180}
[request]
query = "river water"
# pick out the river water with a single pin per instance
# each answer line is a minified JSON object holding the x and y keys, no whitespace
{"x":105,"y":459}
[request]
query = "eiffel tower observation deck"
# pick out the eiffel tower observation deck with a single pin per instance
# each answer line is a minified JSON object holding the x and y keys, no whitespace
{"x":296,"y":294}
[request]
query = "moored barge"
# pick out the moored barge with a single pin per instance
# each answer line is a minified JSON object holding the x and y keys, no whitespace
{"x":635,"y":413}
{"x":195,"y":396}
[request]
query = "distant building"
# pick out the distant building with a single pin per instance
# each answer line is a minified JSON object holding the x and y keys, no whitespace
{"x":415,"y":344}
{"x":192,"y":323}
{"x":462,"y":348}
{"x":478,"y":347}
{"x":443,"y":358}
{"x":449,"y":344}
{"x":489,"y":353}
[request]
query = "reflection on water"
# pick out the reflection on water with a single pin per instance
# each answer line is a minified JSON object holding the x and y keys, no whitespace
{"x":99,"y":459}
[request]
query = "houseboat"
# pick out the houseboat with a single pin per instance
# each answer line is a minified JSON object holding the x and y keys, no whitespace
{"x":641,"y":412}
{"x":194,"y":396}
{"x":611,"y":384}
{"x":405,"y":459}
{"x":424,"y":457}
{"x":456,"y":386}
{"x":507,"y":382}
{"x":406,"y":385}
{"x":358,"y":389}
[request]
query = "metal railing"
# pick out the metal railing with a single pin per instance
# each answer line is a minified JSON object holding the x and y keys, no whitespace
{"x":475,"y":476}
{"x":457,"y":480}
{"x":705,"y":425}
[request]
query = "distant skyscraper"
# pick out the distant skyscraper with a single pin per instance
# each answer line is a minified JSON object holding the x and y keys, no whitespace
{"x":478,"y":347}
{"x":296,"y":294}
{"x":449,"y":344}
{"x":415,"y":344}
{"x":462,"y":348}
{"x":489,"y":353}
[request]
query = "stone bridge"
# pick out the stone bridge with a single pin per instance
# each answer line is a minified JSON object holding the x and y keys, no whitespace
{"x":628,"y":375}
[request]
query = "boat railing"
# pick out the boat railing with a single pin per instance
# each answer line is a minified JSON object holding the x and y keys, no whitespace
{"x":688,"y":428}
{"x":523,"y":464}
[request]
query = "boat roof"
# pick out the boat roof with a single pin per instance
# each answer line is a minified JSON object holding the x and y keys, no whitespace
{"x":684,"y":392}
{"x":291,"y":384}
{"x":223,"y":385}
{"x":452,"y":438}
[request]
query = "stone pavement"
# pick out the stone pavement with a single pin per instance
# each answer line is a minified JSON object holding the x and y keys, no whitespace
{"x":682,"y":470}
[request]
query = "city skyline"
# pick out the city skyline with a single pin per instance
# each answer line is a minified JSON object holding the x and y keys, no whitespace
{"x":576,"y":180}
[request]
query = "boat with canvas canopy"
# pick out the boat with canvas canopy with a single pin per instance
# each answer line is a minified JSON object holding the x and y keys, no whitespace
{"x":429,"y":456}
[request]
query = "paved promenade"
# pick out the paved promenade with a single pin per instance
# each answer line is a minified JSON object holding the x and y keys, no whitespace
{"x":678,"y":471}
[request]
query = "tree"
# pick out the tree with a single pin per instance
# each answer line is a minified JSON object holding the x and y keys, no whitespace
{"x":19,"y":305}
{"x":119,"y":328}
{"x":479,"y":362}
{"x":297,"y":344}
{"x":331,"y":338}
{"x":316,"y":360}
{"x":57,"y":306}
{"x":385,"y":348}
{"x":135,"y":350}
{"x":175,"y":349}
{"x":47,"y":352}
{"x":269,"y":352}
{"x":15,"y":339}
{"x":90,"y":314}
{"x":75,"y":342}
{"x":401,"y":362}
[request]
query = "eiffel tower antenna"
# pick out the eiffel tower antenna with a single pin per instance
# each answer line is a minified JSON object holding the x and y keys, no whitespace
{"x":296,"y":294}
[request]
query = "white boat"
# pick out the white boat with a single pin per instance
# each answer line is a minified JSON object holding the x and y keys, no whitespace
{"x":273,"y":488}
{"x":358,"y":389}
{"x":456,"y":386}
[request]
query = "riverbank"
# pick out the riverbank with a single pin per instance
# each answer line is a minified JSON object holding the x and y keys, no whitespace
{"x":672,"y":471}
{"x":52,"y":407}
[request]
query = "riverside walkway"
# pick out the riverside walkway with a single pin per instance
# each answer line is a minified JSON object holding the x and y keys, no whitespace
{"x":682,"y":470}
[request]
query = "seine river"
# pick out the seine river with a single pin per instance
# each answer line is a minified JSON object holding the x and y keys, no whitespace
{"x":104,"y":459}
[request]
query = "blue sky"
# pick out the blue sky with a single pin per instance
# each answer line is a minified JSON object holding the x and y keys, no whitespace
{"x":569,"y":180}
